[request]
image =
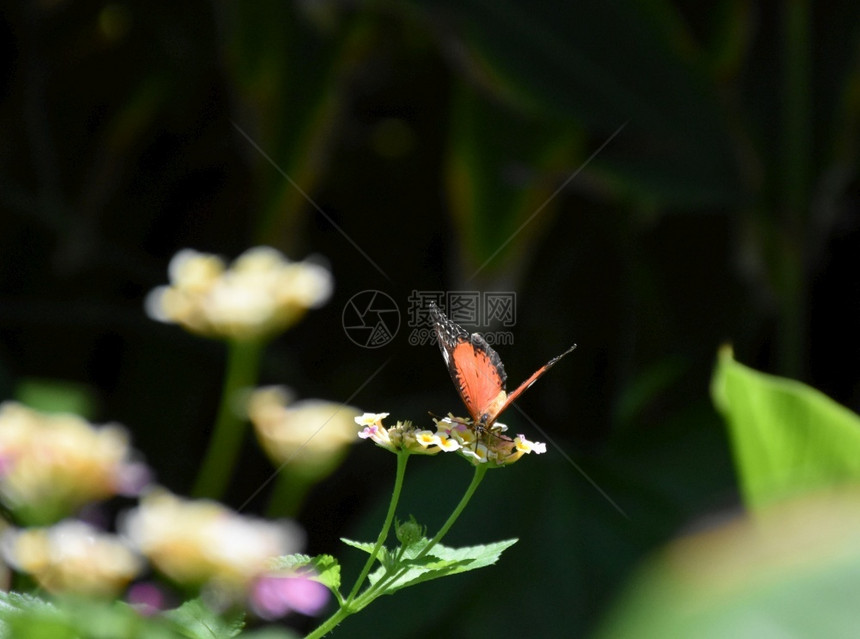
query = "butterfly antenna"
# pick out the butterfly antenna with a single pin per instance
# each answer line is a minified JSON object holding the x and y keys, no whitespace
{"x":558,"y":357}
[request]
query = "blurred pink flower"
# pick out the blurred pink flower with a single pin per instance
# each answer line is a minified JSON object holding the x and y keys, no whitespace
{"x":148,"y":598}
{"x":276,"y":595}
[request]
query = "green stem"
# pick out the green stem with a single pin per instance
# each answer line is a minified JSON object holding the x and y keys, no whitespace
{"x":371,"y":593}
{"x":330,"y":624}
{"x":243,"y":363}
{"x":402,"y":458}
{"x":346,"y":608}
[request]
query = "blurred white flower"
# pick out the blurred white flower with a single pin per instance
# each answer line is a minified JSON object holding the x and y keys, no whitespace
{"x":72,"y":557}
{"x":311,"y":435}
{"x":260,"y":294}
{"x":52,"y":464}
{"x":201,"y":541}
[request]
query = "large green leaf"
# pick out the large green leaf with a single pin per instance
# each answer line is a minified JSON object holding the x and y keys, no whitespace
{"x":790,"y":573}
{"x":787,"y":438}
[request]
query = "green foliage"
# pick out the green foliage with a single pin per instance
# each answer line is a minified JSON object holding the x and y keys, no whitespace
{"x":787,"y":438}
{"x":74,"y":618}
{"x":415,"y":565}
{"x":322,"y":568}
{"x":242,"y":112}
{"x":56,"y":396}
{"x":791,"y":572}
{"x":197,"y":621}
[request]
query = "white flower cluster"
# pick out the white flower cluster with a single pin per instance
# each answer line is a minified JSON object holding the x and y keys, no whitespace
{"x":52,"y":464}
{"x":453,"y":434}
{"x":261,"y":293}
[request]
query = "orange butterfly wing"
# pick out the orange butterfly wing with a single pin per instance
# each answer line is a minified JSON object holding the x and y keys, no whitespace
{"x":477,"y":369}
{"x":480,"y":382}
{"x":510,"y":399}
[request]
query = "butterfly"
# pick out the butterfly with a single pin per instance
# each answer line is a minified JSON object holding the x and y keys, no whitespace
{"x":477,"y":370}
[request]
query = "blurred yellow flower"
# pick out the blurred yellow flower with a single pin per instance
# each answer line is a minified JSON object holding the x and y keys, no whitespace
{"x":72,"y":557}
{"x":52,"y":464}
{"x":201,"y":541}
{"x":260,"y":294}
{"x":311,"y":435}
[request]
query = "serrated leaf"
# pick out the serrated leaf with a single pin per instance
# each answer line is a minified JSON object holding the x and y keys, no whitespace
{"x":198,"y":621}
{"x":361,"y":545}
{"x":787,"y":438}
{"x":441,"y":562}
{"x":76,"y":618}
{"x":12,"y":601}
{"x":323,"y":568}
{"x":383,"y":556}
{"x":13,"y":604}
{"x":292,"y":562}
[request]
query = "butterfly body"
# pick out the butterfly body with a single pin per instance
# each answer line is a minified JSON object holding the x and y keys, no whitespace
{"x":477,"y":371}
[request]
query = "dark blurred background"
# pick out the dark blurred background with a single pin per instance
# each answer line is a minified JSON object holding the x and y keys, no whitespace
{"x":652,"y":179}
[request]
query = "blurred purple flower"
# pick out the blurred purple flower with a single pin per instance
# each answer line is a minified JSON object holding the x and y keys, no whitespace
{"x":273,"y":596}
{"x":135,"y":478}
{"x":147,"y":598}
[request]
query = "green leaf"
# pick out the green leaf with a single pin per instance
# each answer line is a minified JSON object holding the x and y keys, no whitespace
{"x":440,"y":562}
{"x":787,"y":438}
{"x":791,"y":572}
{"x":383,"y":556}
{"x":13,"y":608}
{"x":361,"y":545}
{"x":323,"y":568}
{"x":197,"y":621}
{"x":78,"y":618}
